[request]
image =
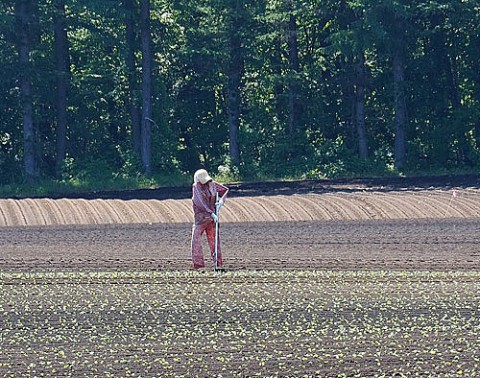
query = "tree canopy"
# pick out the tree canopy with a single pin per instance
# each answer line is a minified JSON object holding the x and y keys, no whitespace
{"x":262,"y":88}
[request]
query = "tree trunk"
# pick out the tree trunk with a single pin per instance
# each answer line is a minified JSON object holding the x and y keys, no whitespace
{"x":234,"y":83}
{"x":24,"y":17}
{"x":360,"y":108}
{"x":132,"y":102}
{"x":63,"y":75}
{"x":476,"y":92}
{"x":293,"y":87}
{"x":456,"y":100}
{"x":401,"y":116}
{"x":278,"y":86}
{"x":400,"y":121}
{"x":146,"y":133}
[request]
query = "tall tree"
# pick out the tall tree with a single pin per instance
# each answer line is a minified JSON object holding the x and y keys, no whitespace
{"x":235,"y":74}
{"x":294,"y":111}
{"x":401,"y":117}
{"x":24,"y":13}
{"x":63,"y":76}
{"x":130,"y":7}
{"x":350,"y":39}
{"x":146,"y":136}
{"x":201,"y":105}
{"x":453,"y":32}
{"x":390,"y":21}
{"x":360,"y":85}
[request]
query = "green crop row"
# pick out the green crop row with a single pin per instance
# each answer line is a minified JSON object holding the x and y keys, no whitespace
{"x":263,"y":323}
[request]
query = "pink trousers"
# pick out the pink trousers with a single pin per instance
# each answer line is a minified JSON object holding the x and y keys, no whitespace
{"x":197,"y":251}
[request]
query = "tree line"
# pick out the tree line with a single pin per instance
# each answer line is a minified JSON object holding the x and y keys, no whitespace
{"x":262,"y":88}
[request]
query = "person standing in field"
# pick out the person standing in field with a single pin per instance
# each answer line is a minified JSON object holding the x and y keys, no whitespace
{"x":204,"y":194}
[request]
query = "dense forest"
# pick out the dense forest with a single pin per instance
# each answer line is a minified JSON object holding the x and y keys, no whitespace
{"x":259,"y":88}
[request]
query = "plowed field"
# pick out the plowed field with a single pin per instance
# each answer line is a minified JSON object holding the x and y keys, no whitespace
{"x":305,"y":225}
{"x":360,"y":278}
{"x":276,"y":202}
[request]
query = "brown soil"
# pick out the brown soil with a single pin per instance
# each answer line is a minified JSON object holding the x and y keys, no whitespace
{"x":262,"y":202}
{"x":366,"y":279}
{"x":310,"y":225}
{"x":435,"y":244}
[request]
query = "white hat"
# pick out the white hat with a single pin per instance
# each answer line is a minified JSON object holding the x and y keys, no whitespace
{"x":202,"y":176}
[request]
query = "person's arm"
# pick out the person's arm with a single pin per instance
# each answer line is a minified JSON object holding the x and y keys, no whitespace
{"x":222,"y":190}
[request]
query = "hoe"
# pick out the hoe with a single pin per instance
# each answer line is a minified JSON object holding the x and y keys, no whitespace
{"x":215,"y":257}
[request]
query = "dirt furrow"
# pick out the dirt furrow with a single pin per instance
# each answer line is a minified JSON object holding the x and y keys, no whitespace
{"x":433,"y":244}
{"x":408,"y":206}
{"x":441,"y":203}
{"x":315,"y":207}
{"x":161,"y":214}
{"x":350,"y":207}
{"x":433,"y":207}
{"x":54,"y":214}
{"x":297,"y":210}
{"x":174,"y":211}
{"x":388,"y":211}
{"x":234,"y":212}
{"x":471,"y":201}
{"x":3,"y":220}
{"x":107,"y":211}
{"x":71,"y":211}
{"x":28,"y":208}
{"x":280,"y":208}
{"x":334,"y":209}
{"x":371,"y":208}
{"x":128,"y":214}
{"x":463,"y":206}
{"x":90,"y":211}
{"x":147,"y":214}
{"x":80,"y":214}
{"x":256,"y":209}
{"x":14,"y":213}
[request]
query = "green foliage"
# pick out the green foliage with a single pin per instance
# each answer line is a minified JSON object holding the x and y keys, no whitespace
{"x":81,"y":183}
{"x":228,"y":172}
{"x":327,"y":163}
{"x":190,"y":102}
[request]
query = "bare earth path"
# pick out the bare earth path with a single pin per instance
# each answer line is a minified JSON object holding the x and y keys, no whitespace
{"x":438,"y":244}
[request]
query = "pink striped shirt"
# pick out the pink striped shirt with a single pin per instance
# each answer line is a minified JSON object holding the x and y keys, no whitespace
{"x":204,"y":196}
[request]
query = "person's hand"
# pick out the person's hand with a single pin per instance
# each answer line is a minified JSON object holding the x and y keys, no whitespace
{"x":215,"y":218}
{"x":220,"y":203}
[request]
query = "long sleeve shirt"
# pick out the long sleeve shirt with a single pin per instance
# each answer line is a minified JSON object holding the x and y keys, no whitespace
{"x":204,"y":198}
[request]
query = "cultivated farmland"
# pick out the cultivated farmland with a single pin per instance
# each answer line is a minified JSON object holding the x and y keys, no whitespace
{"x":356,"y":279}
